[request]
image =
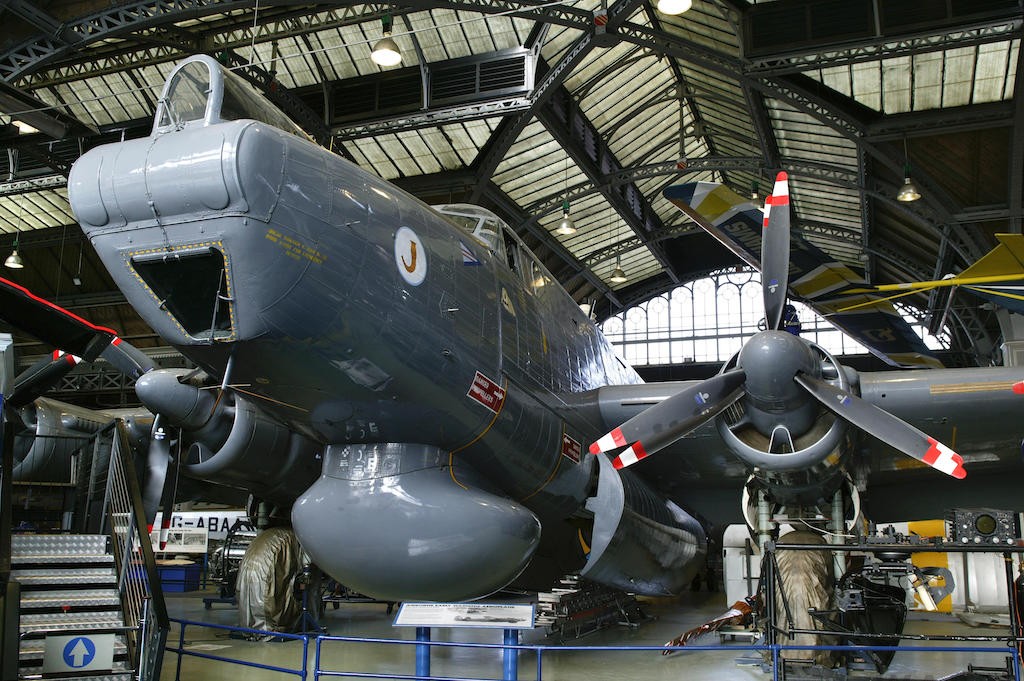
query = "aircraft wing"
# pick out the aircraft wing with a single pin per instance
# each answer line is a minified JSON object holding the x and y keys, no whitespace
{"x":815,"y":278}
{"x":998,"y":276}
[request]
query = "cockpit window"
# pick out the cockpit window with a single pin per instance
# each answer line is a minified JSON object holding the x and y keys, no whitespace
{"x":242,"y":101}
{"x":202,"y":89}
{"x":481,"y":224}
{"x":186,"y":95}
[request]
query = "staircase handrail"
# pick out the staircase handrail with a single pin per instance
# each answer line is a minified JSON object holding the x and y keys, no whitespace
{"x":6,"y":490}
{"x":142,"y":598}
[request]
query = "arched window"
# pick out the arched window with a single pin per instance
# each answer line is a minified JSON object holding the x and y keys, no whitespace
{"x":707,"y":320}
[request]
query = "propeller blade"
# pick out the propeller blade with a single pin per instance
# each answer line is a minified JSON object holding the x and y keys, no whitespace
{"x":158,"y":456}
{"x":168,"y":495}
{"x":662,"y":424}
{"x":62,"y":328}
{"x":775,"y":251}
{"x":885,"y":426}
{"x":51,"y":323}
{"x":40,"y":377}
{"x":128,"y":359}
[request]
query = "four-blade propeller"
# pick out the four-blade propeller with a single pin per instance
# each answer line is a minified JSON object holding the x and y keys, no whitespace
{"x":666,"y":422}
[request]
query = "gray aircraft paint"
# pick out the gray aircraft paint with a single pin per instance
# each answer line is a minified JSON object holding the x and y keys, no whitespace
{"x":344,"y":334}
{"x":482,"y":387}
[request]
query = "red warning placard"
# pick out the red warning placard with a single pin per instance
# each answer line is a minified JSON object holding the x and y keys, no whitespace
{"x":571,"y":448}
{"x":487,"y":392}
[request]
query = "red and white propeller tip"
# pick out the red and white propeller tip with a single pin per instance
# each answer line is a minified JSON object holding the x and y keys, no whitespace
{"x":778,"y":197}
{"x":942,"y":458}
{"x":614,"y":440}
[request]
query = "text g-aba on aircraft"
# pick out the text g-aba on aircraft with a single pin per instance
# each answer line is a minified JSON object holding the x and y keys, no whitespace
{"x":439,"y":415}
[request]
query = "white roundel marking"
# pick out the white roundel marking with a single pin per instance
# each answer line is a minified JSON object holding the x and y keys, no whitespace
{"x":410,"y":256}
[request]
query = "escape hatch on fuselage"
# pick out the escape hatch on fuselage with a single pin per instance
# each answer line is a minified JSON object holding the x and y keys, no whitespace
{"x":192,"y":286}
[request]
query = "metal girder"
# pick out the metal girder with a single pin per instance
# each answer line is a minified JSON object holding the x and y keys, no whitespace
{"x":1016,"y":174}
{"x":885,"y":47}
{"x":631,"y":174}
{"x":551,"y":13}
{"x":41,"y":51}
{"x":570,"y":127}
{"x":520,"y":220}
{"x":432,"y":117}
{"x":32,"y":184}
{"x":36,"y":53}
{"x":865,"y":216}
{"x":762,"y":126}
{"x":894,"y":127}
{"x":787,"y":88}
{"x":804,"y":99}
{"x":827,"y":231}
{"x":294,"y":23}
{"x":35,"y":16}
{"x":512,"y":128}
{"x":681,"y":48}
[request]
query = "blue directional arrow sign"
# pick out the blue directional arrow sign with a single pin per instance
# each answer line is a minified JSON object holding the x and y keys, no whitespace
{"x":78,"y":653}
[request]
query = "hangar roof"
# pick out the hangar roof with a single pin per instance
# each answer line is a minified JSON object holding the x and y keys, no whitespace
{"x":523,"y":105}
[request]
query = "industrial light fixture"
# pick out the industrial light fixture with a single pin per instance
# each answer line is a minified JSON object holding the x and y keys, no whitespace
{"x":618,"y":274}
{"x":674,"y":6}
{"x":24,"y":128}
{"x":14,"y":260}
{"x":566,"y":226}
{"x":385,"y":51}
{"x":909,"y":191}
{"x":77,"y":279}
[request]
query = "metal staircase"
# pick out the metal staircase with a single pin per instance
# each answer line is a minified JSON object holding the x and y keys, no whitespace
{"x":86,"y":605}
{"x":68,"y":584}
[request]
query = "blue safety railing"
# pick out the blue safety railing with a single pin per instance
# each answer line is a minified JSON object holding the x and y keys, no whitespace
{"x":301,"y":671}
{"x":542,"y":652}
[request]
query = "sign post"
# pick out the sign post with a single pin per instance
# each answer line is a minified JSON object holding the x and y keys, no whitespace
{"x":509,"y":617}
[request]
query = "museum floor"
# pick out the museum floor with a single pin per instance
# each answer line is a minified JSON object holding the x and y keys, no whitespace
{"x":669,"y":618}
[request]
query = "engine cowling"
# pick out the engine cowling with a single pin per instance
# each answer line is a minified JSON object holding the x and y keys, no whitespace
{"x":231,"y":441}
{"x":641,"y":542}
{"x":789,"y":442}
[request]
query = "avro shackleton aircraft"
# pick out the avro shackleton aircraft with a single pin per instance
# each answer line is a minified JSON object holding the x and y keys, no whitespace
{"x":420,"y":392}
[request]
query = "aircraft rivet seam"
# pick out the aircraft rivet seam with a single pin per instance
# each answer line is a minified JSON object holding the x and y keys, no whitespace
{"x":494,"y":419}
{"x":554,"y":472}
{"x":218,"y":245}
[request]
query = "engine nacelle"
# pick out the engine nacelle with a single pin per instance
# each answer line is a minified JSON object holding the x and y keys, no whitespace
{"x":392,"y":522}
{"x":791,"y":445}
{"x":58,"y":430}
{"x":232,"y":442}
{"x":641,"y":543}
{"x":806,"y":474}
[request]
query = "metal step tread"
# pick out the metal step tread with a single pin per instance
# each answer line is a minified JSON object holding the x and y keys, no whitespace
{"x":73,"y":599}
{"x":63,"y":544}
{"x":70,"y":620}
{"x":119,"y":672}
{"x":60,"y":558}
{"x":46,"y":577}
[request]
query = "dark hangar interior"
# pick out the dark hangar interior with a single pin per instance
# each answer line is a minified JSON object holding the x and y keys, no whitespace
{"x":529,"y":107}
